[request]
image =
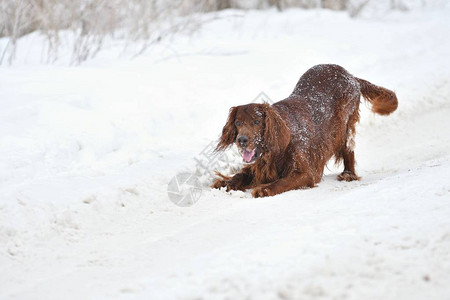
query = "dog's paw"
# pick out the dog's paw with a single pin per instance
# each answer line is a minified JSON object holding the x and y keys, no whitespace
{"x":348,"y":176}
{"x":262,"y":191}
{"x":229,"y":185}
{"x":218,"y":183}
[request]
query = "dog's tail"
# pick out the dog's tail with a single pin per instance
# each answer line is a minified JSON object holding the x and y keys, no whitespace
{"x":383,"y":101}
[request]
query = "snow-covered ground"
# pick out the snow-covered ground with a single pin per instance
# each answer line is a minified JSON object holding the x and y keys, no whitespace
{"x":86,"y":154}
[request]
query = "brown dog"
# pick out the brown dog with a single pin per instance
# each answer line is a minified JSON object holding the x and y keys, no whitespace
{"x":286,"y":145}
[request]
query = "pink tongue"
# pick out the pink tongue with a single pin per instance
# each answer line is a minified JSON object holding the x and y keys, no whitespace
{"x":248,"y":155}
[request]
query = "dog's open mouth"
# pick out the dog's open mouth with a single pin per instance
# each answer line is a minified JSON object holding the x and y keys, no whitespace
{"x":249,"y":155}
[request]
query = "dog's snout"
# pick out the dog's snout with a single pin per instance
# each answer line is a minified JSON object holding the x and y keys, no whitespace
{"x":243,"y":140}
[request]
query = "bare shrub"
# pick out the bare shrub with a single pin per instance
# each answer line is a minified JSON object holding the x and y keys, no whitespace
{"x":137,"y":22}
{"x":355,"y":9}
{"x":16,"y":19}
{"x":91,"y":21}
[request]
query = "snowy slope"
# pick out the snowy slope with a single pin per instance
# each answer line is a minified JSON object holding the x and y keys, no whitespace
{"x":87,"y":152}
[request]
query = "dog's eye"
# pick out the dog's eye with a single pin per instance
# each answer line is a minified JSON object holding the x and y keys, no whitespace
{"x":238,"y":123}
{"x":256,"y":122}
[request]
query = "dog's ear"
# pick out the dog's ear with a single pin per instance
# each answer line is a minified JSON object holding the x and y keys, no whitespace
{"x":276,"y":133}
{"x":229,"y":131}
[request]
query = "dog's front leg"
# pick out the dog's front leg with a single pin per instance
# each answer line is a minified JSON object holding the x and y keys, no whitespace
{"x":239,"y":182}
{"x":293,"y":181}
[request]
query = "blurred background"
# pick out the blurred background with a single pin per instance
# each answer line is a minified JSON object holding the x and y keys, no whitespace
{"x":94,"y":23}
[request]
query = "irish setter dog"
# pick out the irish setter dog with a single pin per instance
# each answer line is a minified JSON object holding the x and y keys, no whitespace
{"x":285,"y":146}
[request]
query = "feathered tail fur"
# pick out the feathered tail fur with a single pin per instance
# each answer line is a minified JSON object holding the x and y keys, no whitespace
{"x":383,"y":101}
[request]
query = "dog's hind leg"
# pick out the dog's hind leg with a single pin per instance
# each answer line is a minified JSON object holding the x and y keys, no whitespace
{"x":349,"y":173}
{"x":347,"y":151}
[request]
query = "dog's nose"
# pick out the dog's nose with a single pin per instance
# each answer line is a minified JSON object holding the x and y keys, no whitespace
{"x":243,"y":140}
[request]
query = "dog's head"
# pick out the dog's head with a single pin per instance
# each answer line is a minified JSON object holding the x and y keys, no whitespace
{"x":256,"y":129}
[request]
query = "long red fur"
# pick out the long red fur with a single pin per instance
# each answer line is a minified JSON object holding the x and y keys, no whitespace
{"x":295,"y":137}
